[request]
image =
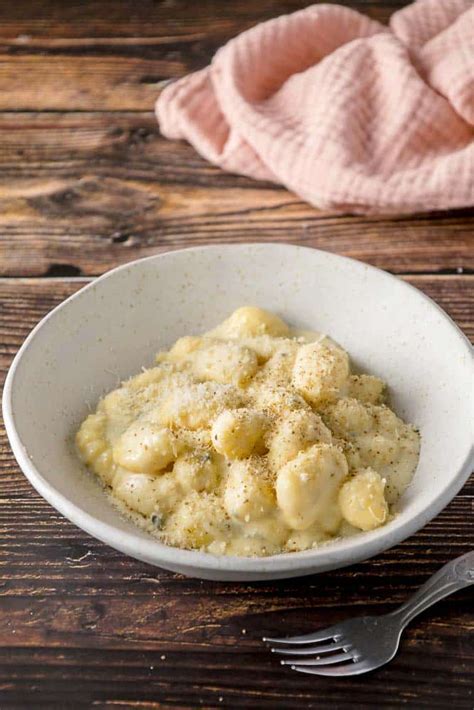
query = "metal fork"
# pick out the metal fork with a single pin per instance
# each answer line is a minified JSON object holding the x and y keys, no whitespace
{"x":360,"y":645}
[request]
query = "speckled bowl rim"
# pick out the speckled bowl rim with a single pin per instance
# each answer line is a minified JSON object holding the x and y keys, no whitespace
{"x":335,"y":554}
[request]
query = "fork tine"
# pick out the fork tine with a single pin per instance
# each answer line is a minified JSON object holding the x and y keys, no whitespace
{"x":311,"y":650}
{"x":342,"y":669}
{"x":323,"y":635}
{"x":324,"y":661}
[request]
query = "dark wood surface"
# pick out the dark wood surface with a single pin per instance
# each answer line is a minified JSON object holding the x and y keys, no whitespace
{"x":87,"y":183}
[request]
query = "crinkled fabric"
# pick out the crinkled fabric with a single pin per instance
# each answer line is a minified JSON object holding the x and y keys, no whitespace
{"x":351,"y":115}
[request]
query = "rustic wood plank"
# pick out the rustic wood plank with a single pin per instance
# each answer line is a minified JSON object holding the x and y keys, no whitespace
{"x":28,"y":22}
{"x":69,"y":58}
{"x":62,"y":83}
{"x":243,"y":676}
{"x":81,"y":193}
{"x":145,"y":680}
{"x":78,"y":617}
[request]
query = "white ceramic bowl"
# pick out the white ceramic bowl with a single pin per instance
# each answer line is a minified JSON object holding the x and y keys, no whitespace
{"x":114,"y":326}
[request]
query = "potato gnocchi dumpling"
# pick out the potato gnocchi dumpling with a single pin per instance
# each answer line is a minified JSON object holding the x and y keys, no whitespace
{"x":362,"y":500}
{"x":145,"y":448}
{"x":307,"y":487}
{"x":293,"y":434}
{"x":250,"y":322}
{"x":252,"y":439}
{"x":320,"y":371}
{"x":248,"y":496}
{"x":196,"y":471}
{"x":224,"y":362}
{"x":195,"y":406}
{"x":236,"y":432}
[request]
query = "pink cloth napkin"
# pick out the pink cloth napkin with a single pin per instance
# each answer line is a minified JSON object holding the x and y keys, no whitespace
{"x":350,"y":114}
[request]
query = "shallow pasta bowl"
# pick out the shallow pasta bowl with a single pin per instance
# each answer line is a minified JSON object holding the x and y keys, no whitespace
{"x":114,"y":326}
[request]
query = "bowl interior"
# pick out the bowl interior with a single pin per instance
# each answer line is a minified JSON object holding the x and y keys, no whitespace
{"x":115,"y":326}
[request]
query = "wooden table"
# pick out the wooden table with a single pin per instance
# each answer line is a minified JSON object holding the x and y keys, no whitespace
{"x":87,"y":183}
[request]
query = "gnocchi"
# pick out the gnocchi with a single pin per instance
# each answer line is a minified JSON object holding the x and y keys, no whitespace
{"x":294,"y":433}
{"x":196,"y":471}
{"x":144,"y":448}
{"x":251,"y":439}
{"x":321,"y":369}
{"x":307,"y":487}
{"x":247,"y":496}
{"x":235,"y":433}
{"x":362,"y":501}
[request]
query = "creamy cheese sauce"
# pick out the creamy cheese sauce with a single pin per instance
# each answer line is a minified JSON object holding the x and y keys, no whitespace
{"x":253,"y":439}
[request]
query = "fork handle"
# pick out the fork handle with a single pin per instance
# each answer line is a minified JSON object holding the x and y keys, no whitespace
{"x":455,"y":575}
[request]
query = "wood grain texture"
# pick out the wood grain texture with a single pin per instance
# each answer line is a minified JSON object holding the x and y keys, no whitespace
{"x":25,"y":21}
{"x":82,"y":193}
{"x":56,"y":57}
{"x":82,"y":622}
